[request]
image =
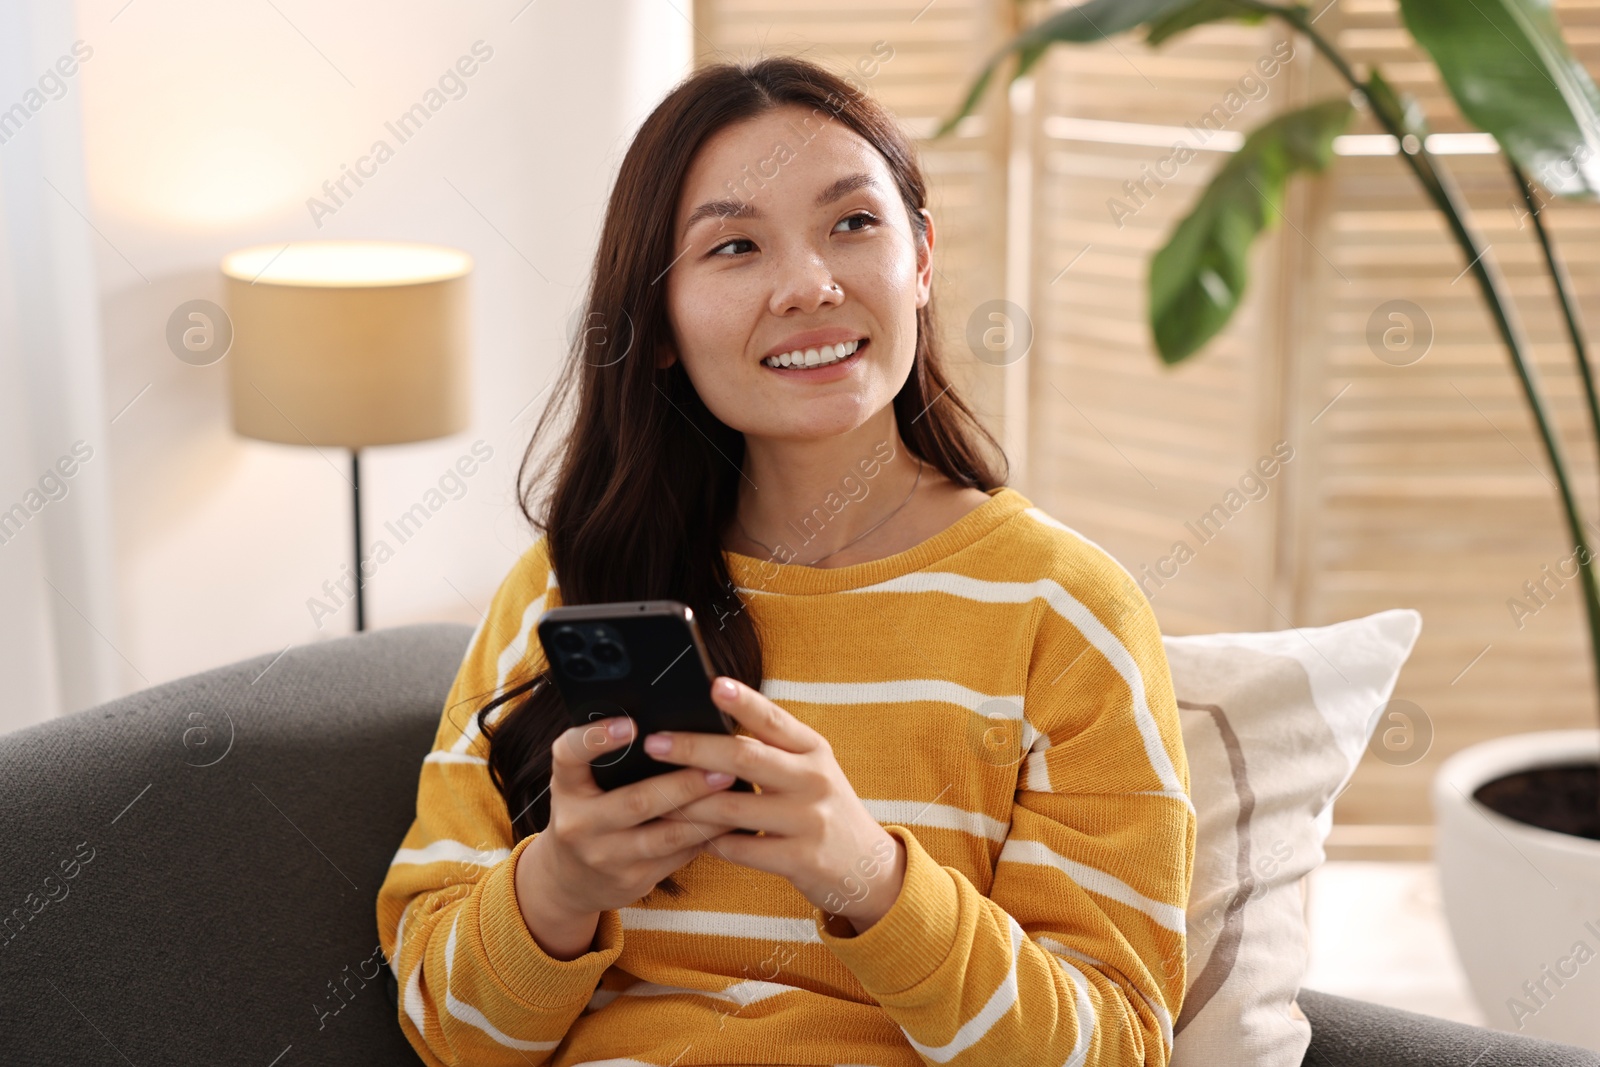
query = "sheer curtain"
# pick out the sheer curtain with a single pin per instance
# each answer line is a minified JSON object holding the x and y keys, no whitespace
{"x":58,"y":623}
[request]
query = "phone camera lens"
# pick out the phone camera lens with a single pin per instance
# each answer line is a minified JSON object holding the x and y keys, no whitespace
{"x":580,"y":667}
{"x":568,"y":640}
{"x":607,"y":652}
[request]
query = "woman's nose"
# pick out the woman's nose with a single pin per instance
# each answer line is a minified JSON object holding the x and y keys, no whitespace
{"x":806,"y":289}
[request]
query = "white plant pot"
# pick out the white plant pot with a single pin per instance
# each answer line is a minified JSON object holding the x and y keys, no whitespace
{"x":1523,"y":903}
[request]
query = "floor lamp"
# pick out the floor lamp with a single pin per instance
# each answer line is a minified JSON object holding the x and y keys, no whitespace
{"x":349,"y":344}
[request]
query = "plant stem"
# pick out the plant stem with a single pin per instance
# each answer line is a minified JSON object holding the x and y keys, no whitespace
{"x":1454,"y":210}
{"x":1563,"y":287}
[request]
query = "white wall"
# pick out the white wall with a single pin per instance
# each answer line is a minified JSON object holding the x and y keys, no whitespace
{"x":206,"y":128}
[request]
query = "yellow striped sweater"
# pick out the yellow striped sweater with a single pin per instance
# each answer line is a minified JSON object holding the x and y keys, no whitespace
{"x":1000,"y":700}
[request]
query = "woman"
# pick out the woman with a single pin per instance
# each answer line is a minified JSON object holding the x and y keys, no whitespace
{"x":975,"y":839}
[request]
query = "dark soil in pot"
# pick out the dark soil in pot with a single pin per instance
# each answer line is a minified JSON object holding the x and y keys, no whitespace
{"x":1564,"y":798}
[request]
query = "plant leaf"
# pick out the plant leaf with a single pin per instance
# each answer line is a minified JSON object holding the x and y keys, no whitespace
{"x":1090,"y":21}
{"x":1198,"y":14}
{"x":1199,"y":276}
{"x":1404,"y":111}
{"x":1513,"y":76}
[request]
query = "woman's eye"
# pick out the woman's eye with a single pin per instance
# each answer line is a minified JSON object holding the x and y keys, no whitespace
{"x":867,"y":217}
{"x":717,"y":251}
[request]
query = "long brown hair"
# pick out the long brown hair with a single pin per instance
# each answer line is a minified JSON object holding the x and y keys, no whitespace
{"x":640,"y":500}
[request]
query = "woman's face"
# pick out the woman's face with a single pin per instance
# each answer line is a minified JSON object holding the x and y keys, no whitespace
{"x":788,"y":244}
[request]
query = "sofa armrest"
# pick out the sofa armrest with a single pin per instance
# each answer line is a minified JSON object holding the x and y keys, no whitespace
{"x":191,"y":870}
{"x":1354,"y":1033}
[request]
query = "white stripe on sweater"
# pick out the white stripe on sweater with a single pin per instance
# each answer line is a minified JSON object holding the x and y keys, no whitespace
{"x":719,"y":923}
{"x":400,"y":937}
{"x":511,"y":655}
{"x":901,"y":691}
{"x":446,"y":756}
{"x":1095,"y":881}
{"x":942,"y":816}
{"x":1075,"y":612}
{"x":416,"y":1009}
{"x":974,"y":1029}
{"x":1080,"y":995}
{"x":599,"y":999}
{"x":1159,"y":1010}
{"x":464,"y":1012}
{"x":1050,"y":944}
{"x":453,"y":851}
{"x":743,"y":992}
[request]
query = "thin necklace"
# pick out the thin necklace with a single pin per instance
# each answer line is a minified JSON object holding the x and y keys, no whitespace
{"x":772,"y":551}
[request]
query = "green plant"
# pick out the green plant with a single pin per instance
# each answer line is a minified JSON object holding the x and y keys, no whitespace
{"x":1511,"y":74}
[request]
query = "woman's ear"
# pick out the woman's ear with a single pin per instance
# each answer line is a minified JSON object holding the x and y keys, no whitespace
{"x":665,"y":357}
{"x":925,"y":259}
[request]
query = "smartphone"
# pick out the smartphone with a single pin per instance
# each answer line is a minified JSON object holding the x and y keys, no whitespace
{"x":643,"y":659}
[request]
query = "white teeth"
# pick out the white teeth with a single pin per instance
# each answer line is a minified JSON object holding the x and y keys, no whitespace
{"x":813,"y":357}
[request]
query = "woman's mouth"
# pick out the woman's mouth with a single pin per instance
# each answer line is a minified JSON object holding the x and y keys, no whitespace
{"x":813,"y":358}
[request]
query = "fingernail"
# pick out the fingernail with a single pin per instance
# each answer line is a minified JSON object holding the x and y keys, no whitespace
{"x":619,"y":728}
{"x":728,"y":687}
{"x":658,"y":742}
{"x":715,"y":778}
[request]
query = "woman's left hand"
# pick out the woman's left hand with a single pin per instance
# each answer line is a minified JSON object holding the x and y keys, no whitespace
{"x":817,"y":833}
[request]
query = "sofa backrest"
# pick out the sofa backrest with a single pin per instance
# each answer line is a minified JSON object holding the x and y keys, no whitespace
{"x":189,"y":872}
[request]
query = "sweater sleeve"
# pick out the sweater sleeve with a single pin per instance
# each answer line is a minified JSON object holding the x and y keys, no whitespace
{"x":1076,"y":956}
{"x":475,"y":987}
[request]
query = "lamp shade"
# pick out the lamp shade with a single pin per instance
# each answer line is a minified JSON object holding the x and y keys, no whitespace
{"x":349,"y":343}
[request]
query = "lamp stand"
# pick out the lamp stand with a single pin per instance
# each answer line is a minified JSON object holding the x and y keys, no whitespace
{"x":355,"y":488}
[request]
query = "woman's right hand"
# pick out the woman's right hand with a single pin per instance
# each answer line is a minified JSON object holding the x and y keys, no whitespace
{"x":603,"y":849}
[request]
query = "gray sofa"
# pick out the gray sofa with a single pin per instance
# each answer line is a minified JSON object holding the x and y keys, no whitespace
{"x":189,"y":874}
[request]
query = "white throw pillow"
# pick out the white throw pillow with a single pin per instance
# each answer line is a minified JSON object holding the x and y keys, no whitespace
{"x":1274,"y":724}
